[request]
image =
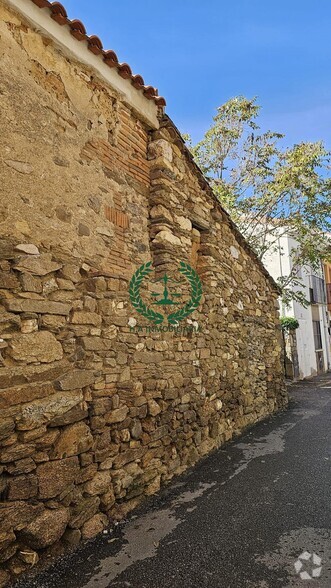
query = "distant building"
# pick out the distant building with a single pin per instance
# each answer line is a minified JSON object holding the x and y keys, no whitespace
{"x":313,"y":336}
{"x":327,"y":277}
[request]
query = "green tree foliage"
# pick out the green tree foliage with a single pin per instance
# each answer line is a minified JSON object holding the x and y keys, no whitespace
{"x":268,"y":190}
{"x":289,"y":323}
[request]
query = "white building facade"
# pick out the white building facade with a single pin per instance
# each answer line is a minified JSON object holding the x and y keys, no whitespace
{"x":312,"y":336}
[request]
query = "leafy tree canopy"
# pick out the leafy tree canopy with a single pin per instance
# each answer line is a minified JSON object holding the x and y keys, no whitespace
{"x":289,"y":323}
{"x":268,"y":190}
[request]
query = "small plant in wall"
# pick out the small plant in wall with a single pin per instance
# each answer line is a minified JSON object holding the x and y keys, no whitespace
{"x":289,"y":323}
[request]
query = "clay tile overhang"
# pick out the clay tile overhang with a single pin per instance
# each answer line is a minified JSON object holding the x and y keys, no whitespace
{"x":42,"y":3}
{"x":124,"y":70}
{"x":59,"y":13}
{"x":150,"y":92}
{"x":94,"y":44}
{"x":77,"y":29}
{"x":110,"y":58}
{"x":138,"y":82}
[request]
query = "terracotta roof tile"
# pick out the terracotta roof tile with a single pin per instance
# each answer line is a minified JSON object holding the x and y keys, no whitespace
{"x":42,"y":3}
{"x":124,"y":70}
{"x":59,"y":13}
{"x":110,"y":58}
{"x":95,"y":45}
{"x":150,"y":92}
{"x":77,"y":29}
{"x":138,"y":82}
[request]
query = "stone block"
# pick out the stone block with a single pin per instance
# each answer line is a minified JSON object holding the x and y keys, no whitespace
{"x":8,"y":553}
{"x":45,"y":529}
{"x":117,"y":416}
{"x":153,"y":408}
{"x":15,"y":452}
{"x":75,"y":379}
{"x":4,"y":578}
{"x":86,"y":318}
{"x":136,"y":429}
{"x":47,"y":439}
{"x":38,"y":306}
{"x":70,"y":271}
{"x":41,"y":346}
{"x":127,"y":457}
{"x":24,"y":394}
{"x":166,"y":237}
{"x":88,"y":472}
{"x":6,"y":427}
{"x":96,"y":343}
{"x":160,"y":213}
{"x":84,"y":511}
{"x":55,"y":476}
{"x":16,"y":515}
{"x":40,"y":265}
{"x":20,"y":166}
{"x":53,"y":322}
{"x":147,"y":357}
{"x":94,"y":526}
{"x":102,"y":406}
{"x":6,"y":538}
{"x":73,"y":440}
{"x":31,"y":283}
{"x":22,"y":466}
{"x":28,"y":248}
{"x":8,"y":281}
{"x":22,"y":487}
{"x":159,"y":433}
{"x":44,"y":410}
{"x":107,"y":500}
{"x":99,"y":484}
{"x":77,"y":413}
{"x":72,"y":536}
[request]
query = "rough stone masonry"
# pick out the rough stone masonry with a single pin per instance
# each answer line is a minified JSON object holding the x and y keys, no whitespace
{"x":95,"y":414}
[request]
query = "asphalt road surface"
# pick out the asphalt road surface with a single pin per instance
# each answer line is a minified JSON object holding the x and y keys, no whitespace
{"x":244,"y":517}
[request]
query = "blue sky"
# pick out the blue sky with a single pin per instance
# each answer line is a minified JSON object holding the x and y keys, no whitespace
{"x":199,"y":54}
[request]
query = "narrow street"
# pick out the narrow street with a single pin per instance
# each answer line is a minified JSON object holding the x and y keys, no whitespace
{"x":241,"y":518}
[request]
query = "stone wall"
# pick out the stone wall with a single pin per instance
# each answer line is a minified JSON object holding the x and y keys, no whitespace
{"x":95,"y":415}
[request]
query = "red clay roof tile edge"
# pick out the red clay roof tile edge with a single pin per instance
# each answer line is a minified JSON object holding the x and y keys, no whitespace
{"x":77,"y":29}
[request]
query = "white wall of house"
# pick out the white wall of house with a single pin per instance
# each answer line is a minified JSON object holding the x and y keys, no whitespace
{"x":278,"y":263}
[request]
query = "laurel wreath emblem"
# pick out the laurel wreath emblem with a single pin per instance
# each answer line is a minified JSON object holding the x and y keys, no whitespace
{"x":134,"y":292}
{"x":196,"y":293}
{"x":155,"y":317}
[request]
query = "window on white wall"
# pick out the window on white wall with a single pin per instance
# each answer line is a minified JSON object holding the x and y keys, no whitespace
{"x":317,"y":335}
